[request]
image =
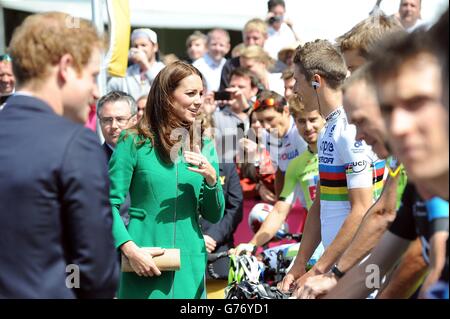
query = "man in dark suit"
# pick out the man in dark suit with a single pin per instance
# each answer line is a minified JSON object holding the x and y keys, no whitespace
{"x":55,"y":218}
{"x":219,"y":237}
{"x":116,"y":111}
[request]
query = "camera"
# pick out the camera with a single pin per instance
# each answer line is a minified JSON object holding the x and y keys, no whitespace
{"x":132,"y":52}
{"x":222,"y":96}
{"x":275,"y":19}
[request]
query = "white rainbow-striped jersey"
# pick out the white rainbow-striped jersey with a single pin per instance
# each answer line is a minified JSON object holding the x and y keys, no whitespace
{"x":344,"y":163}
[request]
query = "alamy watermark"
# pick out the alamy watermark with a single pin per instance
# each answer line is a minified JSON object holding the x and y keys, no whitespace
{"x":73,"y":277}
{"x":228,"y":143}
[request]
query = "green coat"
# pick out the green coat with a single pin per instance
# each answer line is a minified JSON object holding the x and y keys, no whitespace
{"x":163,"y":215}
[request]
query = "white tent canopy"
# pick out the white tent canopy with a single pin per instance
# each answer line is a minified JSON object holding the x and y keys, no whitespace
{"x":312,"y":18}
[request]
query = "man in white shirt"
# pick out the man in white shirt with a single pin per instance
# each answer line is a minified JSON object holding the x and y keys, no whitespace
{"x":280,"y":33}
{"x":211,"y":64}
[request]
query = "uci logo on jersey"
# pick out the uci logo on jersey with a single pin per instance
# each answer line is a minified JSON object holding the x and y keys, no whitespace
{"x":356,"y":167}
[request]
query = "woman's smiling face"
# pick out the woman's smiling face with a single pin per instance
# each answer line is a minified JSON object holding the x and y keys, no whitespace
{"x":187,"y":98}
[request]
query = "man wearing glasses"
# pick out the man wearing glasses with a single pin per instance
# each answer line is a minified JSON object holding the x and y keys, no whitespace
{"x":116,"y":111}
{"x":7,"y":79}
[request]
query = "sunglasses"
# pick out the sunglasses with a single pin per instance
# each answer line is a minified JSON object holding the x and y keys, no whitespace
{"x":5,"y":57}
{"x":267,"y":102}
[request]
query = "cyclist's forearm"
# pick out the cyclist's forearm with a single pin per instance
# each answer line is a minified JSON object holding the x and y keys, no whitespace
{"x":408,"y":275}
{"x":271,"y":224}
{"x":372,"y":227}
{"x":367,"y":236}
{"x":341,"y":241}
{"x":311,"y":234}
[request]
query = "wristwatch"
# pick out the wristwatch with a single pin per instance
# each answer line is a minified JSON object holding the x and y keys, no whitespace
{"x":335,"y":270}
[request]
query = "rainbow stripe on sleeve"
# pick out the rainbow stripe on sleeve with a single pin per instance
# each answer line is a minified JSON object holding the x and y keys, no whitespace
{"x":378,"y":178}
{"x":333,"y":182}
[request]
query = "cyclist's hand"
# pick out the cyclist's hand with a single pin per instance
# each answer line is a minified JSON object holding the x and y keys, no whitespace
{"x":244,"y":248}
{"x":210,"y":243}
{"x":141,"y":260}
{"x":317,"y":286}
{"x":300,"y":282}
{"x":287,"y":284}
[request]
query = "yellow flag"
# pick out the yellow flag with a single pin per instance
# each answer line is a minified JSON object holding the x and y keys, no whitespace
{"x":119,"y":17}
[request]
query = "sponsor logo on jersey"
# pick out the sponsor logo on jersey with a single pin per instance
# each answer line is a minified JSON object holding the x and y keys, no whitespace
{"x":289,"y":156}
{"x":326,"y":160}
{"x":358,"y":147}
{"x":327,"y":148}
{"x":356,"y":167}
{"x":330,"y":134}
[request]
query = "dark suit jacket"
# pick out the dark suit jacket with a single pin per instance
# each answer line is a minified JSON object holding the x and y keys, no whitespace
{"x":55,"y":217}
{"x":108,"y":151}
{"x":222,"y":232}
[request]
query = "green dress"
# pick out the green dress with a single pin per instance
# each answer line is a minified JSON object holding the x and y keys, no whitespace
{"x":166,"y":200}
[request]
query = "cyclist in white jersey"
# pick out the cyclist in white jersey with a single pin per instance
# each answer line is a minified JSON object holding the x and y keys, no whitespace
{"x":281,"y":136}
{"x":348,"y":169}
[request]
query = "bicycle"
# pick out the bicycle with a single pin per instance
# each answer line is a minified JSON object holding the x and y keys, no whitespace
{"x":256,"y":277}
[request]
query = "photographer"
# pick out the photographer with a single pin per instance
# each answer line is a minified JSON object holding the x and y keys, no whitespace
{"x":145,"y":68}
{"x":234,"y":104}
{"x":280,"y":31}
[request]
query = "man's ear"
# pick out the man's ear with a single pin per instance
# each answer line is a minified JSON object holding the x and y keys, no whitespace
{"x":65,"y":67}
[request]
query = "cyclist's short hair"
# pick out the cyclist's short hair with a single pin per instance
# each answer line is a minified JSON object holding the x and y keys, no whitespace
{"x":287,"y":73}
{"x":115,"y":96}
{"x":390,"y":55}
{"x":296,"y":106}
{"x":322,"y":58}
{"x":367,"y":33}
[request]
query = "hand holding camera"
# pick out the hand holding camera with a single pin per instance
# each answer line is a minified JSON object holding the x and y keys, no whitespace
{"x":137,"y":56}
{"x":272,"y":18}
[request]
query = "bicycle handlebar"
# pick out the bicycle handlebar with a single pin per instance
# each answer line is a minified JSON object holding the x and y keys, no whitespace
{"x":212,"y":257}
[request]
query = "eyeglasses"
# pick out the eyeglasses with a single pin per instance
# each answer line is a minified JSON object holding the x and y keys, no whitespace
{"x":5,"y":57}
{"x":121,"y":121}
{"x":267,"y":102}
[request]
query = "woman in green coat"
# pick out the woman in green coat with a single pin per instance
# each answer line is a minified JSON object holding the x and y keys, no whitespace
{"x":169,"y":187}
